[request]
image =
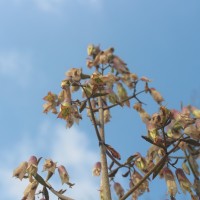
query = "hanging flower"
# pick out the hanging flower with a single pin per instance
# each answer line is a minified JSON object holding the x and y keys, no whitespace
{"x":51,"y":103}
{"x":96,"y":169}
{"x":74,"y":74}
{"x":156,"y":95}
{"x":183,"y":181}
{"x":170,"y":181}
{"x":63,"y":174}
{"x":119,"y":189}
{"x":69,"y":113}
{"x":20,"y":171}
{"x":122,"y":94}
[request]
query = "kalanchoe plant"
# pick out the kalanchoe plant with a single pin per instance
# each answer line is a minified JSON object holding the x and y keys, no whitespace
{"x":173,"y":136}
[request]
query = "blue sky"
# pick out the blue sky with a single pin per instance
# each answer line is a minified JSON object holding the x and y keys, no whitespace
{"x":41,"y":39}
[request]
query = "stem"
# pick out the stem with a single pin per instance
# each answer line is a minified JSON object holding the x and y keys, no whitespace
{"x":46,"y":184}
{"x":104,"y":177}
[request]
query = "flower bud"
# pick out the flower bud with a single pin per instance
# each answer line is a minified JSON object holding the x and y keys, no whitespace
{"x":49,"y":166}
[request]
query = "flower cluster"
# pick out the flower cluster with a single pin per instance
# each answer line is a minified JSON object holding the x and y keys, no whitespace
{"x":30,"y":170}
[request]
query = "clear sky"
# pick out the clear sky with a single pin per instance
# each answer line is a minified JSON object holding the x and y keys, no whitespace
{"x":41,"y":39}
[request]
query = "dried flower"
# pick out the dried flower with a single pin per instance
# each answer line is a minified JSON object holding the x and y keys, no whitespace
{"x":122,"y":94}
{"x":145,"y":79}
{"x":183,"y":181}
{"x":119,"y":65}
{"x":156,"y":95}
{"x":185,"y":168}
{"x":63,"y":174}
{"x":74,"y":74}
{"x":49,"y":166}
{"x":141,"y":163}
{"x":170,"y":181}
{"x":20,"y":171}
{"x":51,"y":103}
{"x":32,"y":166}
{"x":118,"y":189}
{"x":92,"y":50}
{"x":196,"y":112}
{"x":136,"y":178}
{"x":69,"y":113}
{"x":106,"y":115}
{"x":96,"y":169}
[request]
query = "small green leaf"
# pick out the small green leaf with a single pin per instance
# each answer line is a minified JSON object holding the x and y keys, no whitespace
{"x":113,"y":173}
{"x":147,"y":139}
{"x":82,"y":107}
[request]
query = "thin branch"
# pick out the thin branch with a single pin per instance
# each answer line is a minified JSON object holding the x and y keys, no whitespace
{"x":46,"y":184}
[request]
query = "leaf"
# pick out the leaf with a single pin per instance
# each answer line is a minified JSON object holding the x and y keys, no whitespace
{"x":99,"y":94}
{"x":39,"y":160}
{"x":192,"y":142}
{"x":130,"y":158}
{"x":82,"y":107}
{"x":114,"y":153}
{"x":46,"y":193}
{"x":126,"y":174}
{"x":159,"y":169}
{"x":111,"y":165}
{"x":113,"y":172}
{"x":40,"y":180}
{"x":147,"y":139}
{"x":70,"y":184}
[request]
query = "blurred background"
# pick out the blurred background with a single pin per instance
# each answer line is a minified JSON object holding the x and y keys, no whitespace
{"x":41,"y":39}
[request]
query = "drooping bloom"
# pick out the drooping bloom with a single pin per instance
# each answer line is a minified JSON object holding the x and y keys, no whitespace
{"x":143,"y":114}
{"x":69,"y":113}
{"x":63,"y":174}
{"x":170,"y":181}
{"x":118,"y":189}
{"x":156,"y":95}
{"x":96,"y":169}
{"x":183,"y":181}
{"x":106,"y":115}
{"x":20,"y":171}
{"x":32,"y":165}
{"x":49,"y":166}
{"x":74,"y":74}
{"x":136,"y":178}
{"x":122,"y":94}
{"x":195,"y":111}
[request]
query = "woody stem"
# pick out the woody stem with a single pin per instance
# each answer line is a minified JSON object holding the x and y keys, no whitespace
{"x":105,"y":186}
